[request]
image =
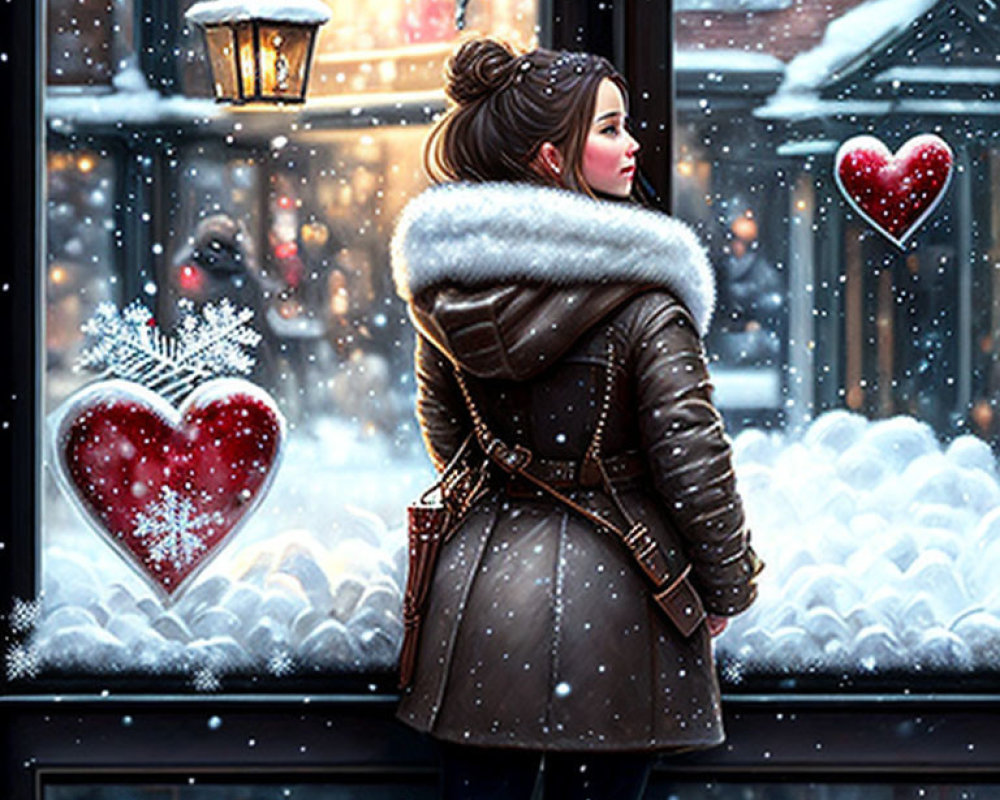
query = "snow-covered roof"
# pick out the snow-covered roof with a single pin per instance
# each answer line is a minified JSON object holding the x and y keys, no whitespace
{"x":939,"y":74}
{"x":798,"y":106}
{"x":215,"y":12}
{"x":728,"y":60}
{"x":808,"y":147}
{"x":848,"y":37}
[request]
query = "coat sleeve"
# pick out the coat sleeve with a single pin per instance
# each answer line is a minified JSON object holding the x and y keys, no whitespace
{"x":689,"y":455}
{"x":444,"y":420}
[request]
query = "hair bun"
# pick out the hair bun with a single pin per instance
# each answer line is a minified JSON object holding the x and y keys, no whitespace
{"x":477,"y":69}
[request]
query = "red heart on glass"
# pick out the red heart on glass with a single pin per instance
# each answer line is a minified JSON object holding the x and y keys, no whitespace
{"x":168,"y":487}
{"x":895,"y":193}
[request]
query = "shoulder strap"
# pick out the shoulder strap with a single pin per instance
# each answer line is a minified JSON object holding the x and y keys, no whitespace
{"x":643,"y":547}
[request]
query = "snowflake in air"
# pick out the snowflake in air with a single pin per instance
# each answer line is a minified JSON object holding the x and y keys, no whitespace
{"x":22,"y":662}
{"x":281,"y":663}
{"x":25,"y":614}
{"x":172,"y":530}
{"x":205,"y":680}
{"x":128,"y":345}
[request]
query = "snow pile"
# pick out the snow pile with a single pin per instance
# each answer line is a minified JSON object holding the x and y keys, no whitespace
{"x":314,"y":581}
{"x":290,"y":604}
{"x":882,"y":550}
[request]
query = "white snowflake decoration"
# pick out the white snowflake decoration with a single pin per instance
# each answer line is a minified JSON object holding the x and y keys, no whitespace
{"x":25,"y":614}
{"x":732,"y":672}
{"x":205,"y":680}
{"x":174,"y":533}
{"x":22,"y":662}
{"x":130,"y":346}
{"x":280,"y":663}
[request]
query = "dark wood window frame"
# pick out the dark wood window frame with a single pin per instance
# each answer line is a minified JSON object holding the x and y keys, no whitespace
{"x":83,"y":734}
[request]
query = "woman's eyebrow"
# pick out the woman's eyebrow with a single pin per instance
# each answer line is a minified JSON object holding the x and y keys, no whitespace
{"x":607,"y":114}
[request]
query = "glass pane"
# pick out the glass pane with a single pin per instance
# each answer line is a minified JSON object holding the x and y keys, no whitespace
{"x":80,"y":241}
{"x":87,"y":43}
{"x":856,"y":373}
{"x":181,"y":205}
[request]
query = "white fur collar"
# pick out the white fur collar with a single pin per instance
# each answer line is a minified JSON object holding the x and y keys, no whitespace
{"x":473,"y":234}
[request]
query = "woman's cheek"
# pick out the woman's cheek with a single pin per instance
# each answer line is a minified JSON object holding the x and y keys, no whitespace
{"x":600,"y":162}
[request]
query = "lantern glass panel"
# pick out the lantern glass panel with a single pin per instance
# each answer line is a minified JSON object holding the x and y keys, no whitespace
{"x":222,"y":50}
{"x":284,"y":58}
{"x":248,"y":63}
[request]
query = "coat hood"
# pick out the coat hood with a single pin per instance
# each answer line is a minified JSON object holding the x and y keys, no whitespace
{"x":504,"y":277}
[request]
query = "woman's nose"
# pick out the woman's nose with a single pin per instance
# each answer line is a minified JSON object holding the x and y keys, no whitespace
{"x":633,"y":146}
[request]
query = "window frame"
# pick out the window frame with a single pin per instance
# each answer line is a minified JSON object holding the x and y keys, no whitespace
{"x":72,"y":729}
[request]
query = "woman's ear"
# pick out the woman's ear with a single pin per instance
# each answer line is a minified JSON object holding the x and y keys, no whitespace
{"x":549,"y":161}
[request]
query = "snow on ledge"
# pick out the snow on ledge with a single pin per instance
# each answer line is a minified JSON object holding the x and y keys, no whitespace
{"x":727,"y":59}
{"x":215,"y":12}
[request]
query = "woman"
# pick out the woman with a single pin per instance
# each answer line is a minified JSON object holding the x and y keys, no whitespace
{"x":565,"y":310}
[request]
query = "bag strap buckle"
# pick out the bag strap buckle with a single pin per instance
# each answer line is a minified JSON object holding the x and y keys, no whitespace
{"x":509,"y":459}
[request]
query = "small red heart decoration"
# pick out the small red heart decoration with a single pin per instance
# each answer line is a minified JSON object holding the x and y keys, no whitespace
{"x":895,"y":193}
{"x":167,"y":486}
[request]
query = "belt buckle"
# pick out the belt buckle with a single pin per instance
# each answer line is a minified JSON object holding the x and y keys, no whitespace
{"x":509,"y":459}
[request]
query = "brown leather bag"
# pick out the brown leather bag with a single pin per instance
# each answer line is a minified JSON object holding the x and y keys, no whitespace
{"x":429,"y":521}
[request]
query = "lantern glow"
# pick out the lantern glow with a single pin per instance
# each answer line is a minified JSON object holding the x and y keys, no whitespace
{"x":259,"y":50}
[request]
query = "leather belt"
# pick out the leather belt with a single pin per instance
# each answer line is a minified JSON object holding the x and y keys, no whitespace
{"x":566,"y":474}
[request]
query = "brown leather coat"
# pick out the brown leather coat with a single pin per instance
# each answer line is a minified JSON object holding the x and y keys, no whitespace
{"x":539,"y":631}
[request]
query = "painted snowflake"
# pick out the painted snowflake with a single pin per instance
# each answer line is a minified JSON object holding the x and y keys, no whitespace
{"x":172,"y":530}
{"x":22,"y":662}
{"x":205,"y":680}
{"x":25,"y":614}
{"x":280,"y":663}
{"x":129,"y":345}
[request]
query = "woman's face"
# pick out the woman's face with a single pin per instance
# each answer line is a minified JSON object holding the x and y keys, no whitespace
{"x":608,"y":161}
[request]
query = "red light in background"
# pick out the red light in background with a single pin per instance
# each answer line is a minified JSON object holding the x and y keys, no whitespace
{"x":286,"y":249}
{"x":190,"y":278}
{"x":284,"y":201}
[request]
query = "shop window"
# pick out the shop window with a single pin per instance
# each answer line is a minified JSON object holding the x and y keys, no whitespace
{"x":856,"y":375}
{"x":178,"y":204}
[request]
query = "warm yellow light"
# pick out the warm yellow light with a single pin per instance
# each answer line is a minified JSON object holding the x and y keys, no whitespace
{"x":315,"y":233}
{"x":58,"y":275}
{"x":801,"y":205}
{"x":259,"y":58}
{"x":85,"y":164}
{"x":685,"y":168}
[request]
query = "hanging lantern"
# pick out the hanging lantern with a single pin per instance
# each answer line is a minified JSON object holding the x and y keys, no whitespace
{"x":260,"y":50}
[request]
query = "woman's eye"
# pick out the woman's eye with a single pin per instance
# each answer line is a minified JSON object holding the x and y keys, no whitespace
{"x":612,"y":129}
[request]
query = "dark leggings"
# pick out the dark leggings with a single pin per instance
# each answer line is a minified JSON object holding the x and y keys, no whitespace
{"x":471,"y":773}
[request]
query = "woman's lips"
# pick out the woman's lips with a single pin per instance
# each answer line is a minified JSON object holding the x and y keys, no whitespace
{"x":629,"y":171}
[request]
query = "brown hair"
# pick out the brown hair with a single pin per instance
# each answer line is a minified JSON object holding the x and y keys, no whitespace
{"x":507,"y":105}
